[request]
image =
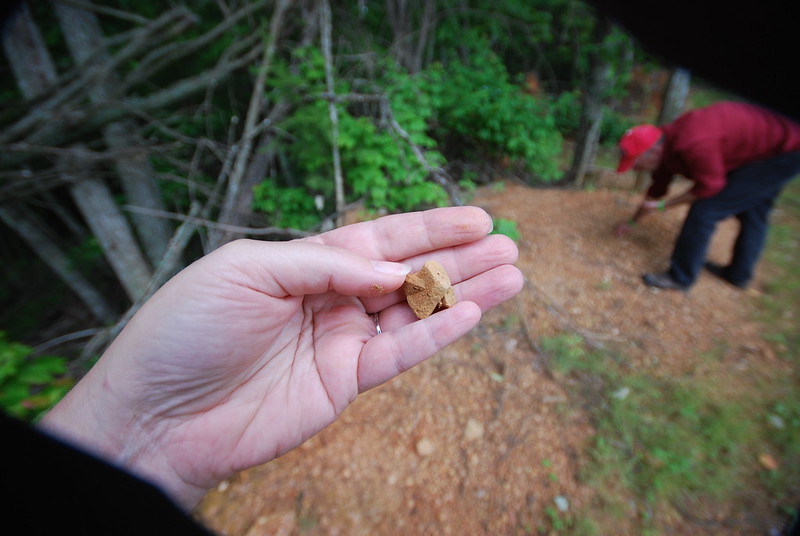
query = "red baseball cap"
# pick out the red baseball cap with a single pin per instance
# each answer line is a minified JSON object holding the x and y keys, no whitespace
{"x":635,"y":142}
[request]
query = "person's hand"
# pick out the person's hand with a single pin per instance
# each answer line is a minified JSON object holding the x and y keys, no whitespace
{"x":623,"y":229}
{"x":259,"y":345}
{"x":649,"y":205}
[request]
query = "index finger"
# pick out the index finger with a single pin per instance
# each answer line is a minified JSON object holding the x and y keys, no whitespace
{"x":400,"y":236}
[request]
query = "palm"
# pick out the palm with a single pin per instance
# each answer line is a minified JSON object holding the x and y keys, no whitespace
{"x":293,"y":361}
{"x":259,"y":345}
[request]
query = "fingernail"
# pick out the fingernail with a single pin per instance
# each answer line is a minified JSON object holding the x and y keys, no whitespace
{"x":391,"y":268}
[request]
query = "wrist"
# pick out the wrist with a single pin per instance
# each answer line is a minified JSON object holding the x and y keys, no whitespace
{"x":106,"y":430}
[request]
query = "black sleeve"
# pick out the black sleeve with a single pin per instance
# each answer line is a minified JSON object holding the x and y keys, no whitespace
{"x":52,"y":488}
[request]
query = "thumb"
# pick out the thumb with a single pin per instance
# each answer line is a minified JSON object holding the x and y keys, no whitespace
{"x":283,"y":269}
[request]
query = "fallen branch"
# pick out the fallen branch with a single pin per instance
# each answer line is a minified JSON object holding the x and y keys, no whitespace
{"x":236,"y":229}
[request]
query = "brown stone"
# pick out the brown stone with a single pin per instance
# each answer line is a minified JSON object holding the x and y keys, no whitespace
{"x":429,"y":290}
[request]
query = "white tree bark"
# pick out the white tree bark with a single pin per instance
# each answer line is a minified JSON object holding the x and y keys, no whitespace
{"x":325,"y":37}
{"x":85,"y":40}
{"x":36,"y":73}
{"x":232,"y":202}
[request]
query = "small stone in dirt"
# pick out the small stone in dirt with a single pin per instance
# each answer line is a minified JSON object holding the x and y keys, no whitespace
{"x":776,"y":422}
{"x":562,"y":503}
{"x":425,"y":447}
{"x":473,"y":431}
{"x":622,"y":393}
{"x":768,"y":462}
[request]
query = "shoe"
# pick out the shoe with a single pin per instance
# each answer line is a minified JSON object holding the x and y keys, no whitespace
{"x":663,"y":281}
{"x":721,"y":272}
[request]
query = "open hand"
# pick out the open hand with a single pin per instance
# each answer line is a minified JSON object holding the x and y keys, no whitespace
{"x":256,"y":347}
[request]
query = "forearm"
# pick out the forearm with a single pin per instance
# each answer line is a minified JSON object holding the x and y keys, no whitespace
{"x":652,"y":204}
{"x":685,"y":197}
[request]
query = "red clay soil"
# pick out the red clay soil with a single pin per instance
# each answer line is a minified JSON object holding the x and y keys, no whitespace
{"x":483,"y":438}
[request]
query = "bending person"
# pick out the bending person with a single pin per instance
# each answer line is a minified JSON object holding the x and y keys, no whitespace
{"x":739,"y":157}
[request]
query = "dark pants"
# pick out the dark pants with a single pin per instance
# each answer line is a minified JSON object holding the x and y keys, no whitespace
{"x":749,"y":195}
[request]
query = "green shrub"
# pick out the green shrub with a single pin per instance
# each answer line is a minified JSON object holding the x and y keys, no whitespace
{"x":29,"y":385}
{"x":377,"y":165}
{"x":506,"y":227}
{"x":480,"y":106}
{"x":567,"y":112}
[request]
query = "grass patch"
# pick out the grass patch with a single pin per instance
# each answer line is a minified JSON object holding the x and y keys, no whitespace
{"x":779,"y":309}
{"x":780,"y":303}
{"x":665,"y":442}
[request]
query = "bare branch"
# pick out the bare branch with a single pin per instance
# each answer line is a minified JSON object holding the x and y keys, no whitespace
{"x":251,"y":121}
{"x":326,"y":30}
{"x":439,"y":175}
{"x":103,"y":10}
{"x":68,"y":337}
{"x":236,"y":229}
{"x":72,"y":85}
{"x":171,"y":52}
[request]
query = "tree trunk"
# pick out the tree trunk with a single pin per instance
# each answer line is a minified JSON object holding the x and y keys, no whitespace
{"x":109,"y":225}
{"x":594,"y":98}
{"x":30,"y":59}
{"x":409,"y":37}
{"x":229,"y":212}
{"x":675,"y":94}
{"x":325,"y":37}
{"x":85,"y":40}
{"x":52,"y":255}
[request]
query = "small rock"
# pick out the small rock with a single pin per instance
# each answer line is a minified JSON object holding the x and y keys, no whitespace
{"x":561,"y":503}
{"x":621,"y":394}
{"x":776,"y":422}
{"x":510,"y":345}
{"x":768,"y":462}
{"x":425,"y":447}
{"x":473,"y":431}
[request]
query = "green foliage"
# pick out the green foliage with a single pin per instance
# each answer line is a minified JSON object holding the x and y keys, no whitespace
{"x":613,"y":127}
{"x":84,"y":256}
{"x":506,"y":227}
{"x":675,"y":437}
{"x":479,"y":106}
{"x":290,"y":207}
{"x":378,"y":166}
{"x":29,"y":385}
{"x":567,"y":114}
{"x":566,"y":353}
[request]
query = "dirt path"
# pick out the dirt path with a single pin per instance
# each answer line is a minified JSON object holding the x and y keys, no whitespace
{"x":481,"y":439}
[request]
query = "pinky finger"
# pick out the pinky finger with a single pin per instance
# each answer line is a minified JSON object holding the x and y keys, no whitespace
{"x":391,"y":353}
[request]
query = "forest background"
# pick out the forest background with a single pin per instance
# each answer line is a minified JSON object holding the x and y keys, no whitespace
{"x":137,"y":136}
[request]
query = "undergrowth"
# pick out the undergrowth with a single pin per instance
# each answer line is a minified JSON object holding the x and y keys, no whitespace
{"x":664,"y":443}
